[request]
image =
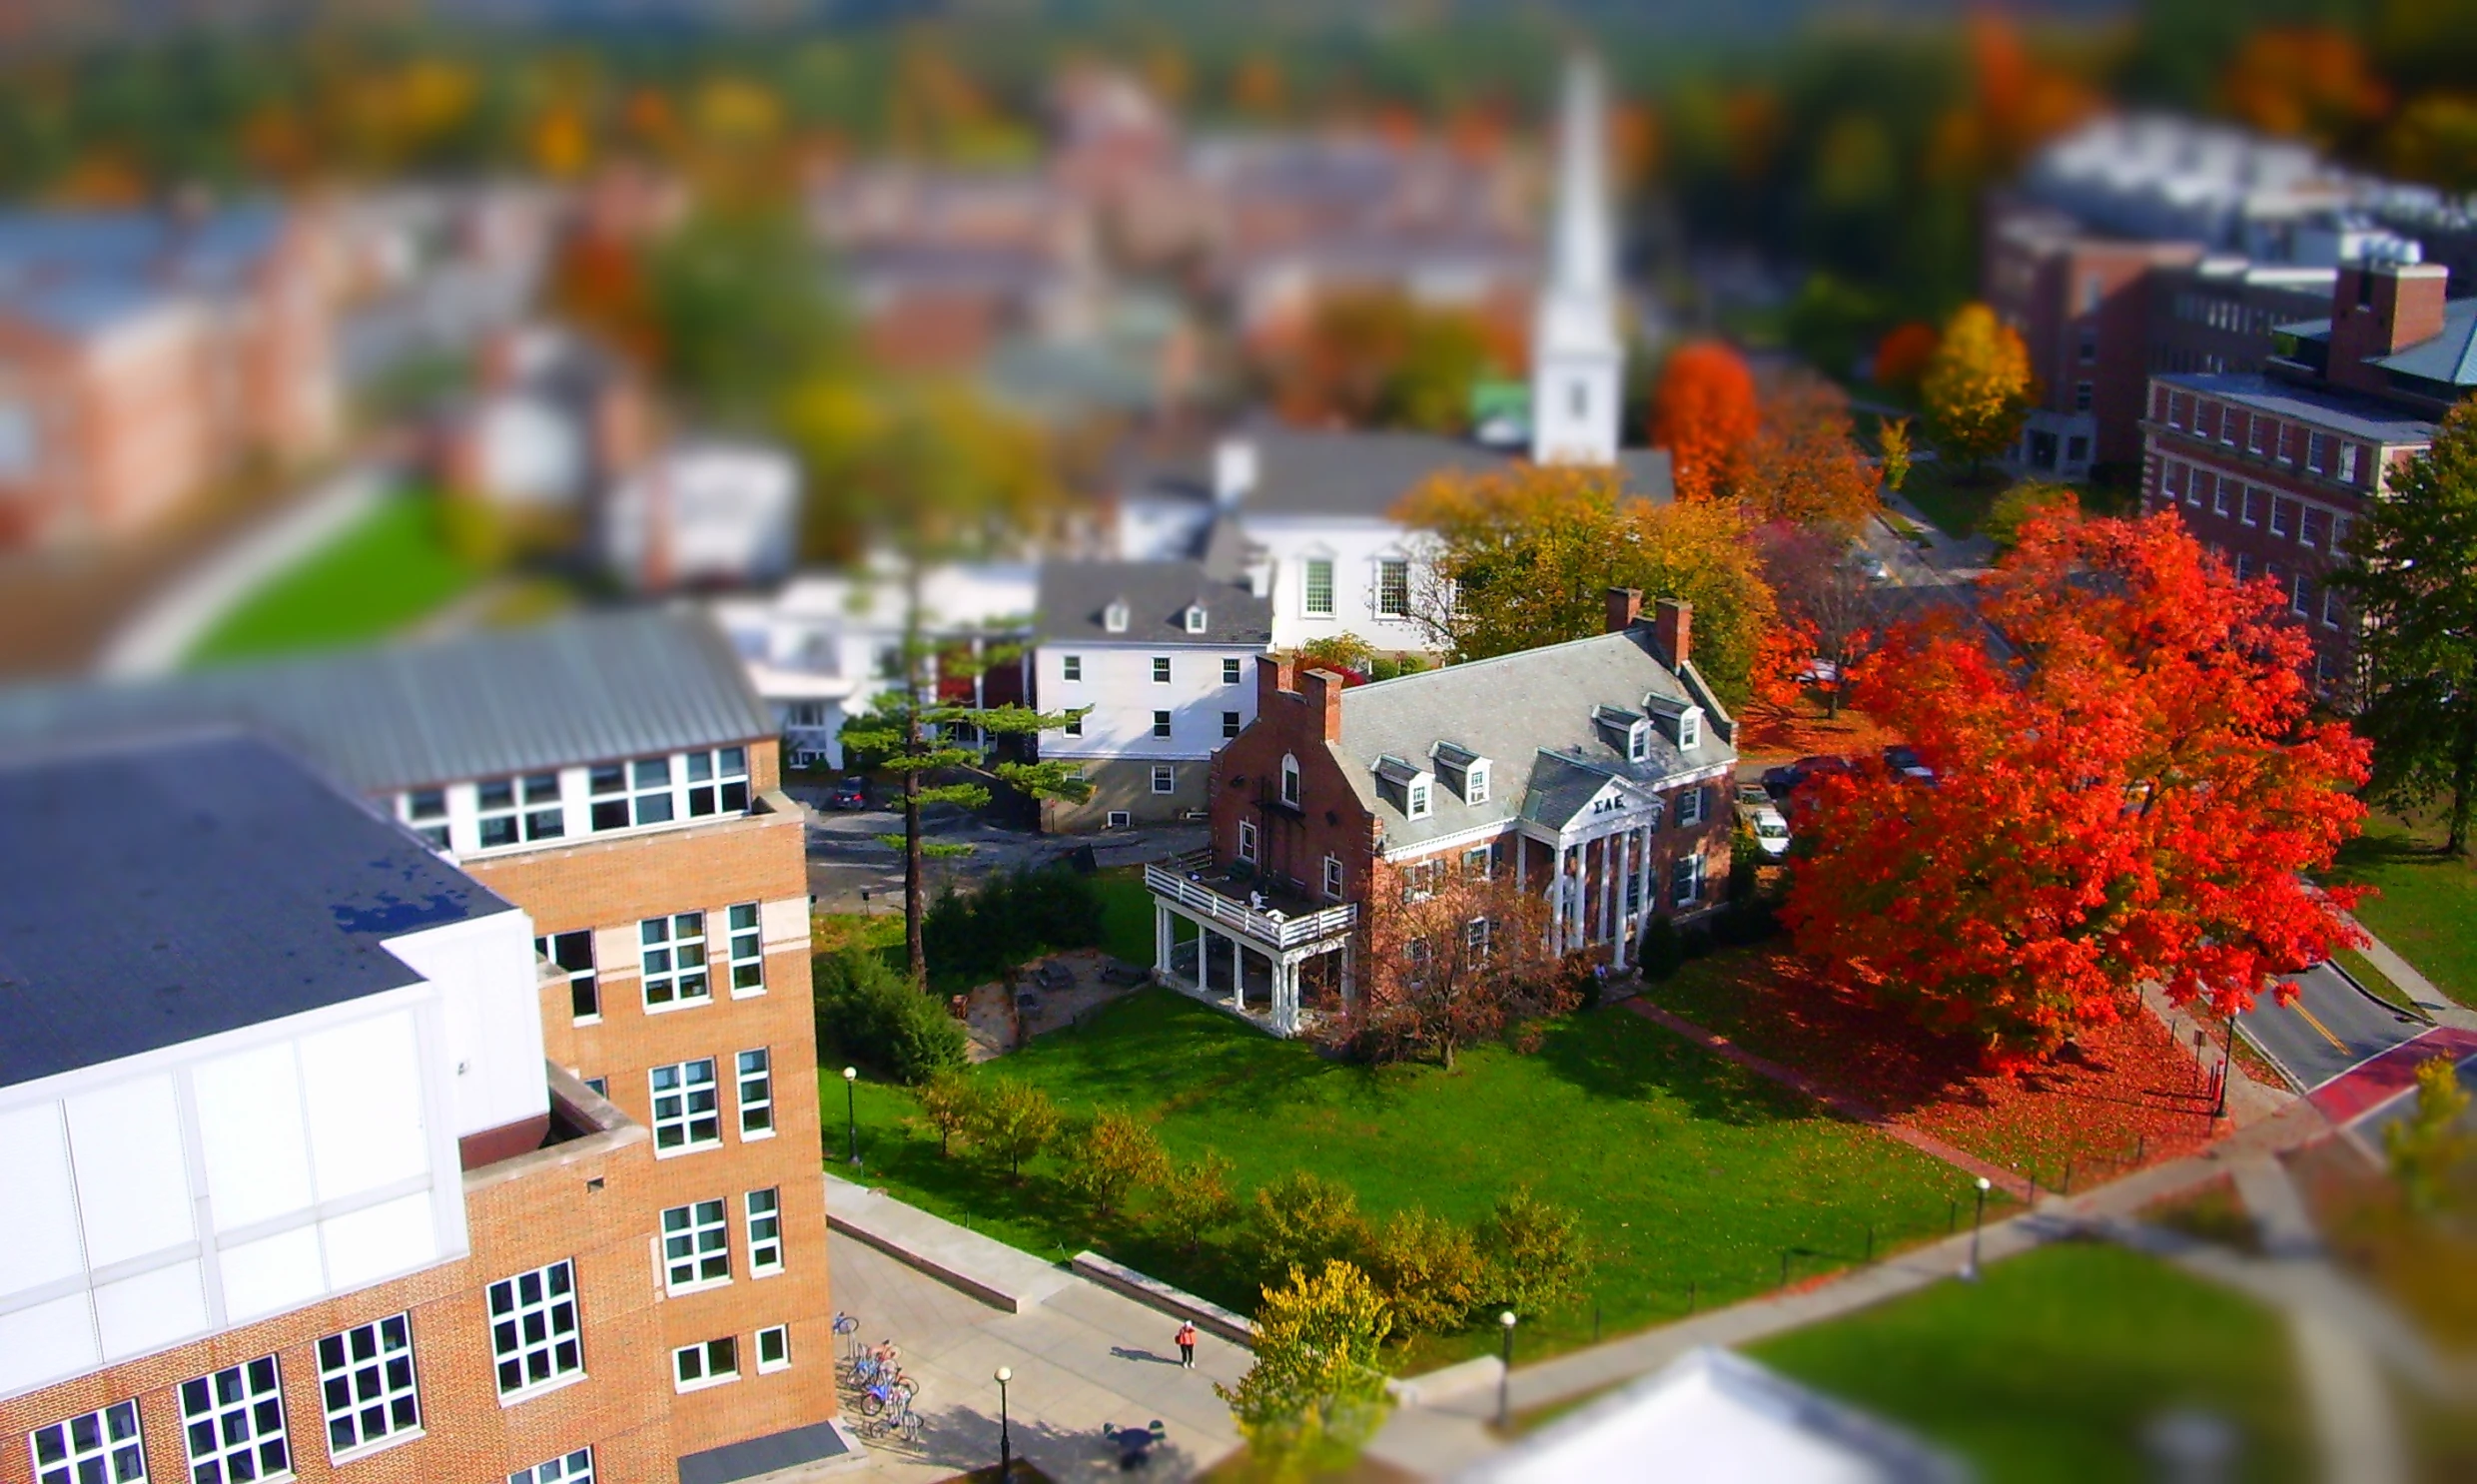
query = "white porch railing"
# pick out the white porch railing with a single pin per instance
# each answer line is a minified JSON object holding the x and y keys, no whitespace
{"x":1278,"y":930}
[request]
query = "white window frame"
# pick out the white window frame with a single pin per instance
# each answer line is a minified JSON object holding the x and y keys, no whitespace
{"x":1690,"y":729}
{"x":695,"y":1098}
{"x":2300,"y":594}
{"x":426,"y":810}
{"x":1690,"y":807}
{"x":696,"y":1247}
{"x":1117,"y":819}
{"x":1318,"y":574}
{"x":116,"y":1444}
{"x":1195,"y":619}
{"x":1415,"y":800}
{"x":1232,"y":671}
{"x":1332,"y":876}
{"x":679,"y":980}
{"x":1247,"y":841}
{"x":1071,"y":667}
{"x":717,"y":782}
{"x":754,"y":1080}
{"x":702,"y":1358}
{"x":1075,"y":722}
{"x":631,"y":789}
{"x":1686,"y":881}
{"x":1393,"y":571}
{"x":780,"y":1334}
{"x":242,"y":1407}
{"x":2331,"y":607}
{"x":1476,"y":936}
{"x":763,"y":1212}
{"x":569,"y":1468}
{"x":1476,"y":784}
{"x":1292,"y":789}
{"x":584,"y":989}
{"x":1638,"y":742}
{"x":545,"y":1362}
{"x":531,"y":806}
{"x":1164,"y":779}
{"x":1479,"y":862}
{"x":372,"y":1363}
{"x":745,"y":921}
{"x":1160,"y":669}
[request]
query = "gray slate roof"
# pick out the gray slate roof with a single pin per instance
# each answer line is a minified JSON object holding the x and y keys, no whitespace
{"x":2341,"y":411}
{"x":2449,"y":358}
{"x":1529,"y":714}
{"x":1075,"y":596}
{"x":585,"y":689}
{"x":155,"y":894}
{"x":1364,"y":475}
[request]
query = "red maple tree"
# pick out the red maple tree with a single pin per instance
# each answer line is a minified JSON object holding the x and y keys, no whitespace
{"x":1703,"y":411}
{"x":2136,"y":798}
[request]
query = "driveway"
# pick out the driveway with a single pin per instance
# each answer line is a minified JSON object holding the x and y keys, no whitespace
{"x":846,"y":854}
{"x":2331,"y":1027}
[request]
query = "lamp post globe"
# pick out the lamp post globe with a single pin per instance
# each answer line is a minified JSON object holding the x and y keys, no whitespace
{"x":851,"y":1111}
{"x":1005,"y":1443}
{"x":1977,"y":1221}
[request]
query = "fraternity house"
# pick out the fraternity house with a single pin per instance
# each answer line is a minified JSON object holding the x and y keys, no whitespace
{"x":608,"y":788}
{"x":1596,"y":772}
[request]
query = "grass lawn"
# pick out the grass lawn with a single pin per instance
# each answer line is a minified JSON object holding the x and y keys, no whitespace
{"x":2424,"y":901}
{"x":1683,"y":1167}
{"x":382,"y":574}
{"x":1126,"y":914}
{"x":2050,"y":1367}
{"x":1943,"y":493}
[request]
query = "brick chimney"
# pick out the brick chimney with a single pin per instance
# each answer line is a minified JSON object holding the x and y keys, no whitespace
{"x":1322,"y":690}
{"x":1672,"y":628}
{"x":2382,"y":309}
{"x":1625,"y":604}
{"x":1274,"y":676}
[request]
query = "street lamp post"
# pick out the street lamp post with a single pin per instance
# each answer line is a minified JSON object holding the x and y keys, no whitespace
{"x":1506,"y":1377}
{"x":851,"y":1110}
{"x":1005,"y":1443}
{"x":2228,"y":1054}
{"x":1970,"y":1269}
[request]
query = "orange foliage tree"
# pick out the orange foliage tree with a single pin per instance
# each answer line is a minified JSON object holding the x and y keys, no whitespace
{"x":2303,"y":82}
{"x":1804,"y":466}
{"x":1456,"y":954}
{"x":1703,"y":411}
{"x":1901,"y":357}
{"x":2138,"y":802}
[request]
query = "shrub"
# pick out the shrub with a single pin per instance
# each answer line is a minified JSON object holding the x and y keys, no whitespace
{"x":1749,"y":921}
{"x":979,"y":935}
{"x":1116,"y":1154}
{"x":951,"y":1104}
{"x":1428,"y":1268}
{"x":1014,"y":1122}
{"x":1535,"y":1253}
{"x":1663,"y":952}
{"x":1195,"y":1199}
{"x":1304,"y":1221}
{"x":1315,"y":1393}
{"x":2015,"y":506}
{"x":1695,"y":939}
{"x":867,"y":1013}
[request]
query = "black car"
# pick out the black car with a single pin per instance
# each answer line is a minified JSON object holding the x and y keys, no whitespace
{"x":851,"y":793}
{"x":1904,"y":760}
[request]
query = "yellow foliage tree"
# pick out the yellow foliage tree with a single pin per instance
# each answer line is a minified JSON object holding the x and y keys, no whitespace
{"x":1315,"y":1393}
{"x":1978,"y":387}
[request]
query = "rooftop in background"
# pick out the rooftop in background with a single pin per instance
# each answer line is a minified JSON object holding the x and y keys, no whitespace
{"x":594,"y":688}
{"x":155,"y":895}
{"x":2341,"y":411}
{"x":82,"y":270}
{"x":1363,"y":475}
{"x":1075,"y":597}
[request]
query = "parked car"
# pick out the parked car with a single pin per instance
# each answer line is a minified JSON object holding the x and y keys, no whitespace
{"x":851,"y":793}
{"x":1770,"y":828}
{"x":1903,"y":759}
{"x":1783,"y":780}
{"x":1874,"y":568}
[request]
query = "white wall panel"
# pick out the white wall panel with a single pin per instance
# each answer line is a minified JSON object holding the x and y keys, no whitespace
{"x":132,"y":1187}
{"x":39,"y":1239}
{"x":151,"y":1310}
{"x":47,"y":1342}
{"x":272,"y":1275}
{"x":489,"y":989}
{"x":249,"y":1124}
{"x":380,"y":1242}
{"x":363,"y":1086}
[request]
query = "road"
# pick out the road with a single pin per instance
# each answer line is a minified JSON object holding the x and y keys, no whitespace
{"x":846,"y":854}
{"x":2331,"y":1026}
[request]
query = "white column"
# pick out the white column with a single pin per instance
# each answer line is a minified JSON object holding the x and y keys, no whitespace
{"x":1238,"y":976}
{"x":1569,"y":885}
{"x":1522,"y":862}
{"x":1608,"y":886}
{"x":1650,"y":903}
{"x":1619,"y":941}
{"x":1162,"y":935}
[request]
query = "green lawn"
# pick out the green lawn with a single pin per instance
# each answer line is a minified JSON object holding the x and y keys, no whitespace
{"x":2050,"y":1367}
{"x":1126,"y":914}
{"x":1684,"y":1167}
{"x":382,"y":574}
{"x":1956,"y":505}
{"x":2423,"y":905}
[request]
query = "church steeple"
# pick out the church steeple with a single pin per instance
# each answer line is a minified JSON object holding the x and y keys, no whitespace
{"x":1577,"y":362}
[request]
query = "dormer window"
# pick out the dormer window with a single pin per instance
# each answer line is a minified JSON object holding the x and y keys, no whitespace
{"x":1407,"y":786}
{"x":1476,"y":784}
{"x":1462,"y":770}
{"x":1638,"y":742}
{"x":1195,"y":619}
{"x":1114,"y":619}
{"x":1690,"y":729}
{"x":1418,"y":800}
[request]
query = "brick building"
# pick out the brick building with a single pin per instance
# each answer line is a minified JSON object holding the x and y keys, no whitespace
{"x":1596,"y":772}
{"x":614,"y":779}
{"x":2270,"y":471}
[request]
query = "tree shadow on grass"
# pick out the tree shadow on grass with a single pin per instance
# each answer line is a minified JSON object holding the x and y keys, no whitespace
{"x":1611,"y":1053}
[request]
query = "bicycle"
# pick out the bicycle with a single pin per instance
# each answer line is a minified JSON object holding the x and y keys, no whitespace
{"x":846,"y":1326}
{"x":896,"y":1390}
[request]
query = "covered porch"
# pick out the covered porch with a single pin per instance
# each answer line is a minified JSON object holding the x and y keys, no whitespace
{"x":1252,"y":949}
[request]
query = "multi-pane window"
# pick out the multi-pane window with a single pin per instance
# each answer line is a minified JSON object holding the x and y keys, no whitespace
{"x":2331,"y":607}
{"x":1476,"y":784}
{"x":2261,"y":434}
{"x":1229,"y":725}
{"x":1686,"y":880}
{"x":717,"y":781}
{"x":1416,"y":798}
{"x":2173,"y":477}
{"x":1071,"y":667}
{"x":93,"y":1448}
{"x":1478,"y":861}
{"x":2318,"y":453}
{"x":520,"y":808}
{"x":1164,"y":779}
{"x":687,"y":1107}
{"x":572,"y":1468}
{"x":1392,"y":587}
{"x":2257,"y":506}
{"x":2347,"y":463}
{"x":2300,"y":594}
{"x":1247,"y":841}
{"x":2223,"y":498}
{"x":1319,"y":587}
{"x":708,"y":1364}
{"x":1289,"y":781}
{"x":765,"y":1232}
{"x":1161,"y":723}
{"x":1229,"y":672}
{"x":1475,"y":936}
{"x":2205,"y":486}
{"x":2082,"y":397}
{"x":673,"y":950}
{"x":773,"y":1348}
{"x":747,"y":951}
{"x":427,"y":810}
{"x":756,"y":1088}
{"x":696,"y":1247}
{"x":2316,"y":529}
{"x":533,"y":1334}
{"x":365,"y":1385}
{"x":1689,"y":807}
{"x":233,"y":1424}
{"x":2283,"y":517}
{"x":637,"y":793}
{"x":1075,"y":723}
{"x":1333,"y":876}
{"x":573,"y":951}
{"x":1160,"y":669}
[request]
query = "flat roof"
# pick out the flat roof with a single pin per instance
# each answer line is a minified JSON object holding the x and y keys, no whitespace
{"x":2340,"y":411}
{"x":157,"y":894}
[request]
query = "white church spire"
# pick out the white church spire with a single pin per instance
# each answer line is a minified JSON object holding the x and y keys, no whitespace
{"x":1577,"y":362}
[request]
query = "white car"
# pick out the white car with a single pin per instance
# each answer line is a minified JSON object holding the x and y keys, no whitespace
{"x":1770,"y":828}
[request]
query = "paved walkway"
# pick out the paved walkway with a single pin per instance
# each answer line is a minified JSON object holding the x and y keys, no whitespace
{"x":1082,"y":1356}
